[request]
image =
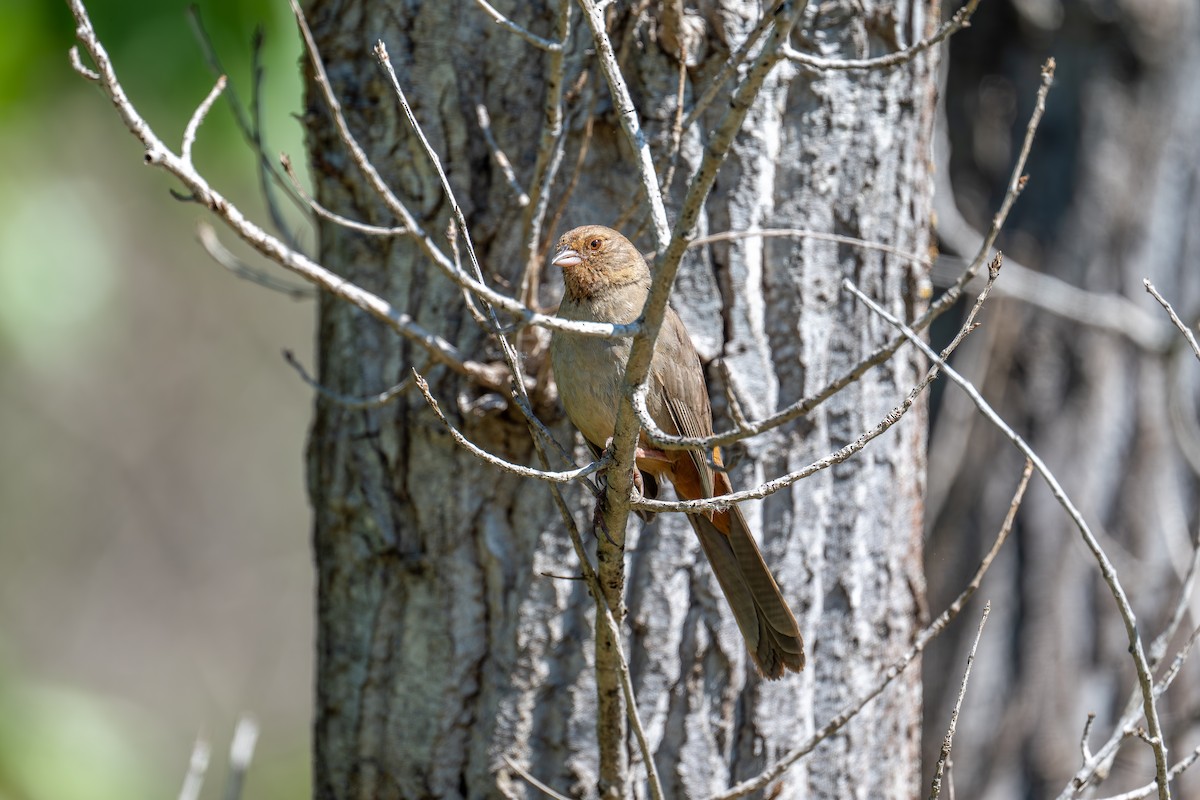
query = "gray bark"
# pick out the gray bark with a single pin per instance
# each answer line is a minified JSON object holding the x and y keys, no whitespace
{"x":1111,"y":200}
{"x":442,"y":646}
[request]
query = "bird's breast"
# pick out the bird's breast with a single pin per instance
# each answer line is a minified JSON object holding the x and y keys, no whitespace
{"x":589,"y":371}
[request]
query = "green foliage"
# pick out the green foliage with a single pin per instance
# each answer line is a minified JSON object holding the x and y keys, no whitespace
{"x":91,"y":245}
{"x":154,"y":47}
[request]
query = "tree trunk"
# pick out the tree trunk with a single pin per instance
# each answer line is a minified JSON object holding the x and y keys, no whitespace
{"x":1111,"y":200}
{"x":448,"y":639}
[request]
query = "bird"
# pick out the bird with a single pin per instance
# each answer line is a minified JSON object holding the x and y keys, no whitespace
{"x":606,"y":279}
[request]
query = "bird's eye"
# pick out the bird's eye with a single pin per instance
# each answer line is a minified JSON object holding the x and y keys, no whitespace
{"x":594,"y":244}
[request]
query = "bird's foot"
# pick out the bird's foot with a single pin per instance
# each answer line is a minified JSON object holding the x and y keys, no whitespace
{"x":598,"y":523}
{"x":644,"y":459}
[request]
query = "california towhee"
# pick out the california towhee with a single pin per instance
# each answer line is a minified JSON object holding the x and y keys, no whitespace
{"x":607,"y":280}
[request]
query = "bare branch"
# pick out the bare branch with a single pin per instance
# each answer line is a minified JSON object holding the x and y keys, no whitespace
{"x":627,"y":113}
{"x":193,"y":781}
{"x":512,"y":27}
{"x":241,"y":753}
{"x":837,"y":457}
{"x":483,"y":455}
{"x":627,"y":425}
{"x":551,"y":147}
{"x":948,"y":742}
{"x":960,"y":20}
{"x":506,"y":167}
{"x":922,"y":641}
{"x":250,"y":124}
{"x":1101,"y":761}
{"x":510,"y":355}
{"x":589,"y":123}
{"x":611,"y":630}
{"x":1184,"y":329}
{"x":420,"y":236}
{"x":193,"y":126}
{"x":735,"y":60}
{"x":948,"y":298}
{"x":321,"y":211}
{"x":158,"y":154}
{"x":1141,"y":664}
{"x":534,"y":782}
{"x":206,"y":234}
{"x":1083,"y":739}
{"x":345,"y":400}
{"x":1176,"y":665}
{"x":78,"y":65}
{"x":1149,"y":789}
{"x":635,"y":720}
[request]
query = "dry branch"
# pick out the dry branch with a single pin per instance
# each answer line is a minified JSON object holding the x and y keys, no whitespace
{"x":931,"y":631}
{"x":1107,"y":572}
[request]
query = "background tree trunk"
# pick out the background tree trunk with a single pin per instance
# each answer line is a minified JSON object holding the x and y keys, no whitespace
{"x":1111,"y":200}
{"x":443,"y":644}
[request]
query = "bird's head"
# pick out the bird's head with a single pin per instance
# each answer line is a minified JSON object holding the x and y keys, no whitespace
{"x":594,"y":258}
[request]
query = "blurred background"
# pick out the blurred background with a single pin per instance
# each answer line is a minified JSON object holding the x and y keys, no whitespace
{"x":154,"y":564}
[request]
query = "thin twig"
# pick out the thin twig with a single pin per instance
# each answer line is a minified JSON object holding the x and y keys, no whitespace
{"x":948,"y":298}
{"x":676,"y":136}
{"x":960,"y":20}
{"x":513,"y":362}
{"x":732,"y":404}
{"x":1184,"y":329}
{"x":635,"y":720}
{"x":534,"y":782}
{"x":551,"y":146}
{"x":206,"y":234}
{"x":321,"y":211}
{"x":627,"y":425}
{"x":241,"y":753}
{"x":1107,"y":572}
{"x":193,"y":126}
{"x":839,"y":456}
{"x":628,"y":116}
{"x":1099,"y":763}
{"x":78,"y":65}
{"x":931,"y":631}
{"x":422,"y":238}
{"x":350,"y":402}
{"x":158,"y":154}
{"x":516,"y":469}
{"x":1149,"y":789}
{"x":948,"y":741}
{"x":193,"y":781}
{"x":735,"y":60}
{"x":589,"y":124}
{"x":250,"y":125}
{"x":1083,"y":739}
{"x":498,"y":154}
{"x":1173,"y":671}
{"x":511,"y":357}
{"x":512,"y":27}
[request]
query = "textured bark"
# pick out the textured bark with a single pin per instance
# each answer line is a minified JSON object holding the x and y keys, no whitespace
{"x":442,"y":646}
{"x":1111,"y":200}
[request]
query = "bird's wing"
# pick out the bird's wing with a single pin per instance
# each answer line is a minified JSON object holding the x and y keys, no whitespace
{"x":681,"y":386}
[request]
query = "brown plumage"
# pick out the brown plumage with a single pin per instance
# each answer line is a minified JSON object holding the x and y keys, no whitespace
{"x":607,"y":280}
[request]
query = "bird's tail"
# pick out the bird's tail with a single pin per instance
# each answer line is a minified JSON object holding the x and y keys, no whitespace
{"x":762,"y":615}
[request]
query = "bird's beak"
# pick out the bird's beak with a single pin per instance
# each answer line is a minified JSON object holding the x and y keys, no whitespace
{"x":566,"y":258}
